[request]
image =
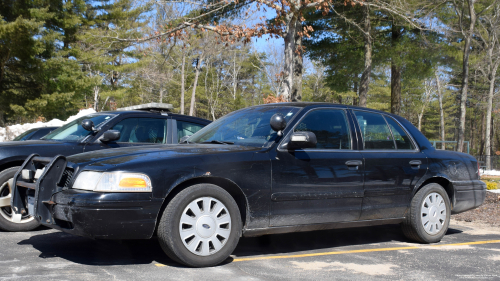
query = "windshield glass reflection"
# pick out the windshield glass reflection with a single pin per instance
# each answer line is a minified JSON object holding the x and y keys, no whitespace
{"x":249,"y":127}
{"x":74,"y":132}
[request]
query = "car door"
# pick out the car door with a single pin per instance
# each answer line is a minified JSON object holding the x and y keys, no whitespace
{"x":393,"y":165}
{"x":322,"y":184}
{"x":135,"y":131}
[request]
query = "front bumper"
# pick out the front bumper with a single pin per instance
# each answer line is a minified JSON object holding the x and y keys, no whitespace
{"x":468,"y":195}
{"x":80,"y":212}
{"x":105,"y":215}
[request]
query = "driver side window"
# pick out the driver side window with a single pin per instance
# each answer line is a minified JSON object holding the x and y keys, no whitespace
{"x":186,"y":129}
{"x":142,"y":130}
{"x":330,"y":127}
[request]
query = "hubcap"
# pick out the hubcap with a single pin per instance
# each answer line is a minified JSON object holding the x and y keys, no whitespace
{"x":5,"y":208}
{"x":433,"y":213}
{"x":205,"y":226}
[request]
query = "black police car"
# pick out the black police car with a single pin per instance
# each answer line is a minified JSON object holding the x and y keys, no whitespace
{"x":138,"y":125}
{"x":266,"y":169}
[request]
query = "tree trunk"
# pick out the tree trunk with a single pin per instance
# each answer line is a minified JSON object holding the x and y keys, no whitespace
{"x":105,"y":102}
{"x":395,"y":89}
{"x":196,"y":75}
{"x":355,"y":89}
{"x":441,"y":112}
{"x":420,"y":115}
{"x":298,"y":64}
{"x":395,"y":75}
{"x":365,"y":77}
{"x":235,"y":77}
{"x":288,"y":79}
{"x":465,"y":78}
{"x":483,"y":125}
{"x":489,"y":108}
{"x":183,"y":89}
{"x":96,"y":98}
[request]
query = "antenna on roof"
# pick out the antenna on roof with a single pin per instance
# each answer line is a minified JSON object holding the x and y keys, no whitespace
{"x":153,"y":106}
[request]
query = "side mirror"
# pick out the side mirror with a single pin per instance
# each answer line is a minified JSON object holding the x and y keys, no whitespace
{"x":278,"y":123}
{"x":302,"y":140}
{"x":88,"y":125}
{"x":111,"y":135}
{"x":184,"y":139}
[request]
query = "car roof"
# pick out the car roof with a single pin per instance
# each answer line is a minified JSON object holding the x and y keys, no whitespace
{"x":303,"y":104}
{"x":145,"y":112}
{"x":322,"y":104}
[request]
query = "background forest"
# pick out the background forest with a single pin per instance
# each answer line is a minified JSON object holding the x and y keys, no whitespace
{"x":432,"y":62}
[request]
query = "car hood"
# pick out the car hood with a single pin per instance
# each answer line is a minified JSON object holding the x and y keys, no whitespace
{"x":28,"y":143}
{"x":19,"y":150}
{"x":122,"y":155}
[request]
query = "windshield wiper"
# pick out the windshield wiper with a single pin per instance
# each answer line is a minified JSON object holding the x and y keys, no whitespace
{"x":219,"y":142}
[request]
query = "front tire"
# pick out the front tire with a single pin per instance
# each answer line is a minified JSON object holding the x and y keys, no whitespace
{"x":27,"y":223}
{"x":201,"y":226}
{"x":429,"y":215}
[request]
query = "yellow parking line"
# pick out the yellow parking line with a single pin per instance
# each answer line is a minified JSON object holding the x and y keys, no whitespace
{"x":362,"y":251}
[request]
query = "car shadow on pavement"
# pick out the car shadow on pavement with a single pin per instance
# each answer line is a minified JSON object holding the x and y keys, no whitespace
{"x":320,"y":240}
{"x":110,"y":252}
{"x":98,"y":252}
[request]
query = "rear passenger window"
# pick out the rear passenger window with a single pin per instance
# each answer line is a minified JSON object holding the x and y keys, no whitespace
{"x":376,"y":133}
{"x":186,"y":129}
{"x":330,"y":127}
{"x":401,"y":138}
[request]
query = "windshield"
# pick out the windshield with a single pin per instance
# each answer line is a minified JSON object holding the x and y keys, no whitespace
{"x":25,"y":135}
{"x":249,"y":127}
{"x":74,"y":131}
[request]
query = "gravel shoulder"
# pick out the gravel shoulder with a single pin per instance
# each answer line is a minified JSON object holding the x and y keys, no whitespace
{"x":488,"y":213}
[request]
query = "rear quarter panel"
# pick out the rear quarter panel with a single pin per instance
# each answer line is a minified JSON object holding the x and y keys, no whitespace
{"x":454,"y":166}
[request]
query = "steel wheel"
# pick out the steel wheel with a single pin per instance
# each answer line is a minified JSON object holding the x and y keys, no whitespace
{"x":5,"y":208}
{"x":205,"y":226}
{"x":433,"y":213}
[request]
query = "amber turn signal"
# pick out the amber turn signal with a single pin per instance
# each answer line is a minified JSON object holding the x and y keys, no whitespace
{"x":133,"y":183}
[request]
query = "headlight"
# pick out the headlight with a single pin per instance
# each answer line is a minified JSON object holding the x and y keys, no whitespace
{"x":113,"y":182}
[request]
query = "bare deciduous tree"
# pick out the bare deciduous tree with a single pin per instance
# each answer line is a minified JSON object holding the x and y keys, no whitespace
{"x":488,"y":26}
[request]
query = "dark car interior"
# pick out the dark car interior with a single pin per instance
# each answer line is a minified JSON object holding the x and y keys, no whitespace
{"x":330,"y":128}
{"x":142,"y":130}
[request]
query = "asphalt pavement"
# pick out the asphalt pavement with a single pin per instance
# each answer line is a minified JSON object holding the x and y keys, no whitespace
{"x":468,"y":252}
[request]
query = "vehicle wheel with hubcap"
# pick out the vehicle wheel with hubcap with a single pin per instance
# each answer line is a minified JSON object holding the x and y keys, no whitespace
{"x":429,"y":215}
{"x":27,"y":222}
{"x":201,"y":226}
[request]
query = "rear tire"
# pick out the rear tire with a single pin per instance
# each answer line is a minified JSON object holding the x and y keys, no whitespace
{"x":429,"y":215}
{"x":27,"y":223}
{"x":201,"y":226}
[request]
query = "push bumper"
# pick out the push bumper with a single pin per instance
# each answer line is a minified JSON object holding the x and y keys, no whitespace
{"x":105,"y":215}
{"x":80,"y":212}
{"x":468,"y":195}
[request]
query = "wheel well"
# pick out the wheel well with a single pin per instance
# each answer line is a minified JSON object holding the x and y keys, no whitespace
{"x":229,"y":186}
{"x":10,"y":165}
{"x":445,"y":183}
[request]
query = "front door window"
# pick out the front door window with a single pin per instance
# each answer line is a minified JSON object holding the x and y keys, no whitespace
{"x":142,"y":130}
{"x":329,"y":126}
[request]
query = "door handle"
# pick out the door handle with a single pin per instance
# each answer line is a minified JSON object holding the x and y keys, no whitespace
{"x":415,"y":163}
{"x":353,"y":164}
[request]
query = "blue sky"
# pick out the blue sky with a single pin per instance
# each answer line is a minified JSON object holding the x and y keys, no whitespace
{"x":260,"y":44}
